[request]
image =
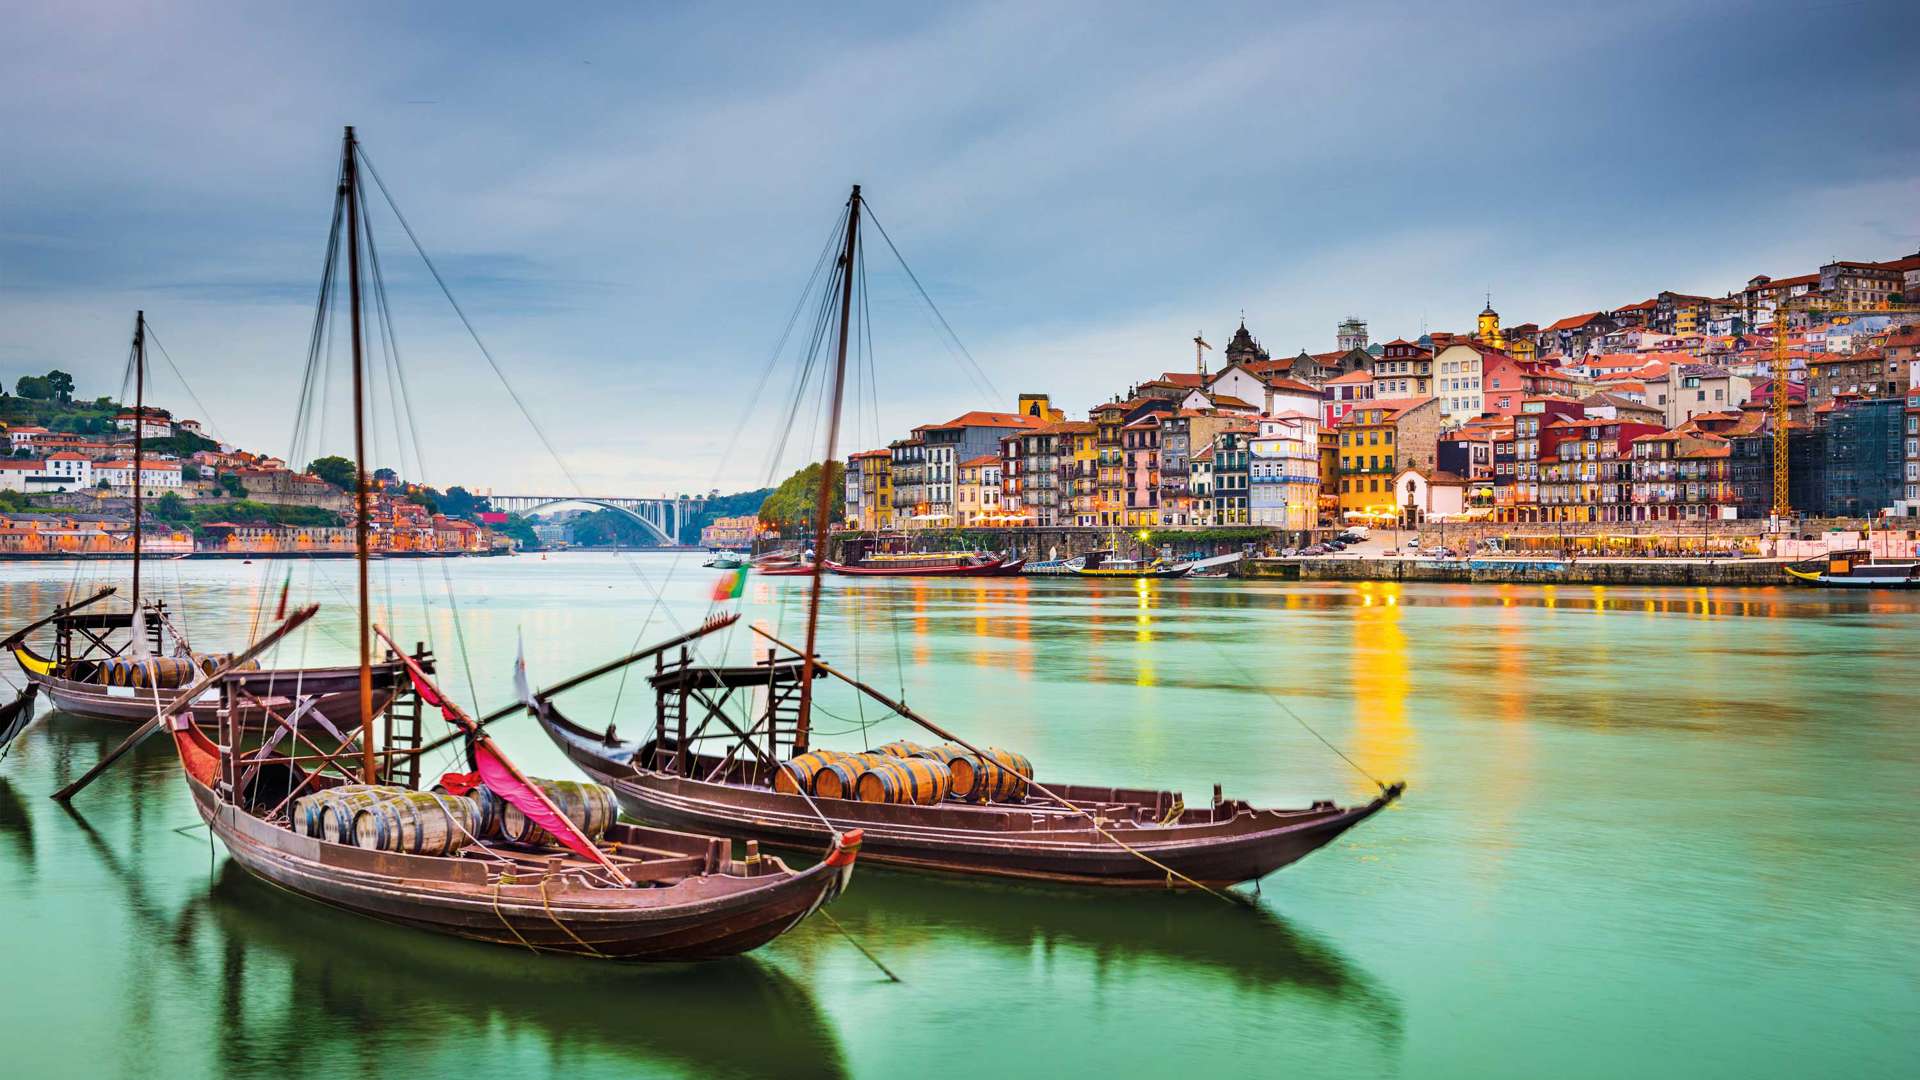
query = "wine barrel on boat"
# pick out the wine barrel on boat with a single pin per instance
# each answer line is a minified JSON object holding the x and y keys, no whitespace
{"x":960,"y":766}
{"x":588,"y":805}
{"x":328,"y":815}
{"x":417,"y":823}
{"x":800,"y":771}
{"x":917,"y":780}
{"x":903,"y":749}
{"x":838,"y":779}
{"x":1001,"y":776}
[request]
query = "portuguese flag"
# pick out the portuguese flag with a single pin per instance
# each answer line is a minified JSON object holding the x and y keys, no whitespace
{"x":730,"y":586}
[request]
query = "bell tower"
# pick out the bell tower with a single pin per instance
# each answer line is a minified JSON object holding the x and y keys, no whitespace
{"x":1489,"y":332}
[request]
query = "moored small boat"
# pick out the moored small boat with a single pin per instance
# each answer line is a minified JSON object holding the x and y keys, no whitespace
{"x":1103,"y":564}
{"x":1860,"y":570}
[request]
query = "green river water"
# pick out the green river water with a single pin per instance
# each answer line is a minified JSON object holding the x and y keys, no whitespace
{"x":1657,"y":832}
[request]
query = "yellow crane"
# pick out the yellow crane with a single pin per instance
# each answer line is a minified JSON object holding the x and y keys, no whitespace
{"x":1782,"y":501}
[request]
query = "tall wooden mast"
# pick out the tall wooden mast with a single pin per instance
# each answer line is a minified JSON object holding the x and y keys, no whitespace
{"x":820,"y":511}
{"x":350,"y":189}
{"x":139,"y":453}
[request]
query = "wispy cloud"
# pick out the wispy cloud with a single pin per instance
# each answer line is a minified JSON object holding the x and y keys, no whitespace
{"x":627,"y":200}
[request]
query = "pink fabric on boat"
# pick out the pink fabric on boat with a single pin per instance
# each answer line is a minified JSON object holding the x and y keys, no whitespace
{"x":506,"y":781}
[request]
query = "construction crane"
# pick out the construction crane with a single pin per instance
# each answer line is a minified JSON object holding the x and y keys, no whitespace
{"x":1782,"y":499}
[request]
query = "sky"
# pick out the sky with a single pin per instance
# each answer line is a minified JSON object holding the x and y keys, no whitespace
{"x":627,"y":199}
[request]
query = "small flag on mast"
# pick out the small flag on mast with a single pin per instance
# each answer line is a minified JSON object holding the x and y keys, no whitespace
{"x":730,"y":586}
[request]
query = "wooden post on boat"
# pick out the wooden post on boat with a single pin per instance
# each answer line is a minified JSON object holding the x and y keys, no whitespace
{"x":139,"y":454}
{"x":820,"y":513}
{"x":350,"y":188}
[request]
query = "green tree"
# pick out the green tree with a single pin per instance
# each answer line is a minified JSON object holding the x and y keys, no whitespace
{"x":458,"y":502}
{"x":334,"y":469}
{"x":170,"y":507}
{"x":231,"y":484}
{"x":386,"y":476}
{"x":61,"y":384}
{"x":189,"y":472}
{"x":791,"y":506}
{"x":34,"y":387}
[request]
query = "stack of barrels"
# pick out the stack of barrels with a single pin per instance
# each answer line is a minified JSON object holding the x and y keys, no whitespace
{"x":437,"y":822}
{"x":382,"y":818}
{"x":907,"y":772}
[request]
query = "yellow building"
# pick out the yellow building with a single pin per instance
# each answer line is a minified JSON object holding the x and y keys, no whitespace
{"x":1082,"y":473}
{"x":876,"y":490}
{"x":1378,"y":439}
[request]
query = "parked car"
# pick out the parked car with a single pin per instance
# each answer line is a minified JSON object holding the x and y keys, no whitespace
{"x":1315,"y":549}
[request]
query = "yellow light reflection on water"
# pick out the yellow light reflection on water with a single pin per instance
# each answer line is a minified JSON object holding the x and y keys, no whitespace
{"x":1381,"y":670}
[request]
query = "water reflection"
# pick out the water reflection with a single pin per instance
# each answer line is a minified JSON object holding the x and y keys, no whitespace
{"x":306,"y":988}
{"x":1253,"y":948}
{"x":16,"y":825}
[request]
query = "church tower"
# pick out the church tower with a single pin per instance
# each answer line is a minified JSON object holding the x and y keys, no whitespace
{"x":1489,"y":332}
{"x":1243,"y":349}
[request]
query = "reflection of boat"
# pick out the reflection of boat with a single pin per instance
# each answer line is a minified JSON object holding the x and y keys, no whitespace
{"x":725,"y":560}
{"x":351,"y":984}
{"x":15,"y":715}
{"x":1255,"y":947}
{"x":1859,"y":570}
{"x":1104,"y":564}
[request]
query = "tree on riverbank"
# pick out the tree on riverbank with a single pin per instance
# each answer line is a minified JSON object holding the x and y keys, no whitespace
{"x":790,"y":508}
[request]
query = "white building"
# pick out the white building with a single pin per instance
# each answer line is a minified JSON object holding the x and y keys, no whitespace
{"x":1688,"y":390}
{"x":22,"y":438}
{"x":154,"y":423}
{"x":1428,"y":495}
{"x":156,"y":477}
{"x":1283,"y":467}
{"x":1270,"y":395}
{"x":71,"y":465}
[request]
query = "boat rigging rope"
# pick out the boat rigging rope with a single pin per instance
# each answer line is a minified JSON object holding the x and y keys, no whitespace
{"x":1254,"y":682}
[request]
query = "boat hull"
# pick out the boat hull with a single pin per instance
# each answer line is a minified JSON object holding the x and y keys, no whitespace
{"x":697,"y":918}
{"x":337,"y":691}
{"x":1223,"y":846}
{"x":987,"y":569}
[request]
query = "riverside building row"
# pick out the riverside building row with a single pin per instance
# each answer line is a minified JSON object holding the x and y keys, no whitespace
{"x":1657,"y":410}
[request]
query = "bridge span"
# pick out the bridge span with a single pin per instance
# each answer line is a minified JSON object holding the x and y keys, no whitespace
{"x":665,"y":517}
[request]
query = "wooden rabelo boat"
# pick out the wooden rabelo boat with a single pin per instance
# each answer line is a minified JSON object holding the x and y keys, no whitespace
{"x":120,"y":665}
{"x":535,"y":864}
{"x":700,"y":769}
{"x":929,"y":564}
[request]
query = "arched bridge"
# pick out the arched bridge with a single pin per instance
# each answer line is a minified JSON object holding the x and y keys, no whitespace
{"x":663,"y":517}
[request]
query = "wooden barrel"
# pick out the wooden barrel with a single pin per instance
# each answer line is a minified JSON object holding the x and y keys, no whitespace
{"x":589,"y":806}
{"x":416,"y":823}
{"x":917,"y":780}
{"x":902,"y":749}
{"x":836,"y":780}
{"x":486,"y":811}
{"x":807,"y":766}
{"x":330,"y":817}
{"x":1004,"y":777}
{"x":961,"y":766}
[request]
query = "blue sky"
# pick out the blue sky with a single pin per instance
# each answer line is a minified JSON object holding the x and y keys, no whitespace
{"x":627,"y":199}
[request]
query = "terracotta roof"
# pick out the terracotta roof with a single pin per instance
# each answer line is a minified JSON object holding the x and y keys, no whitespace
{"x":1573,"y":322}
{"x":1205,"y":455}
{"x":1183,"y":378}
{"x":1281,"y":382}
{"x":978,"y":418}
{"x":983,"y":459}
{"x":1394,"y":407}
{"x":1229,"y":401}
{"x":1360,"y":376}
